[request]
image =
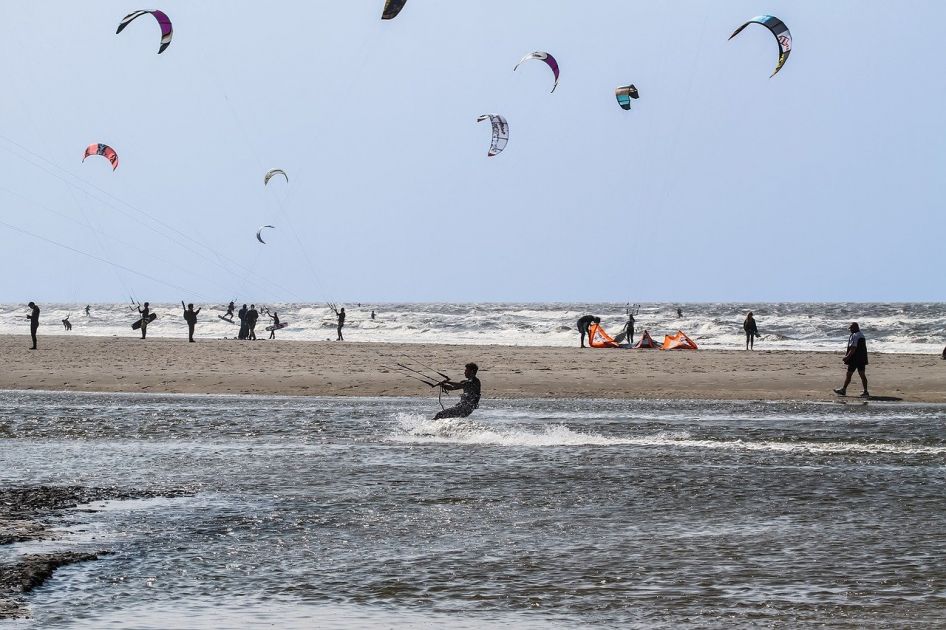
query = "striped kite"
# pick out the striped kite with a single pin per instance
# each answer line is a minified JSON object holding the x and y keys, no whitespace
{"x":782,"y":35}
{"x":542,"y":56}
{"x":624,"y":94}
{"x":104,"y":150}
{"x":163,"y":21}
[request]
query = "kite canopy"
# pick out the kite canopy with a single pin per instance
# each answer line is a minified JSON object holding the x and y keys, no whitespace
{"x":598,"y":338}
{"x":500,"y":133}
{"x":392,"y":8}
{"x":276,"y":171}
{"x":104,"y":150}
{"x":647,"y":343}
{"x":624,"y":94}
{"x":678,"y":341}
{"x":542,"y":56}
{"x":782,"y":35}
{"x":163,"y":21}
{"x":259,"y":236}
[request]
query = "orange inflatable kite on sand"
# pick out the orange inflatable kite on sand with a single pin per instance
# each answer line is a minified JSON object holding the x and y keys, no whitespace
{"x":678,"y":341}
{"x":597,"y":338}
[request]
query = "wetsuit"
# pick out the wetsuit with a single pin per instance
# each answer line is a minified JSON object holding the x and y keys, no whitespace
{"x":34,"y":324}
{"x":144,"y":320}
{"x":191,"y":318}
{"x":752,"y":331}
{"x":583,"y":324}
{"x":341,"y":324}
{"x":469,"y":400}
{"x":272,"y":333}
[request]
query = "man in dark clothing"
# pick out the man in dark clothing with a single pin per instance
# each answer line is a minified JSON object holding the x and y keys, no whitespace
{"x":252,"y":316}
{"x":752,"y":331}
{"x":341,"y":323}
{"x":243,"y":327}
{"x":190,"y":316}
{"x":584,"y":323}
{"x":145,"y":314}
{"x":34,"y":322}
{"x":469,"y":399}
{"x":855,"y":359}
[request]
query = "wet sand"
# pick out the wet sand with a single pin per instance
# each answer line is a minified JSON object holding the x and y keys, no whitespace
{"x":285,"y":367}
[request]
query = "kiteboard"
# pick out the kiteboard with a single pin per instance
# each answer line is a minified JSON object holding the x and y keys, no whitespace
{"x":151,"y":318}
{"x":279,"y":327}
{"x":227,"y":319}
{"x":874,"y":398}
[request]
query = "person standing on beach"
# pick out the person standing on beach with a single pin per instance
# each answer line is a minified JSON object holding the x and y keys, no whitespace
{"x":275,"y":326}
{"x":145,"y":313}
{"x":469,"y":399}
{"x":252,"y":316}
{"x":190,"y":316}
{"x":584,"y":322}
{"x":341,"y":322}
{"x":752,"y":331}
{"x":243,"y":327}
{"x":855,"y":359}
{"x":34,"y":322}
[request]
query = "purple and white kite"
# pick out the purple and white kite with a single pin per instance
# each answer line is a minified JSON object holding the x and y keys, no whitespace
{"x":541,"y":56}
{"x":163,"y":21}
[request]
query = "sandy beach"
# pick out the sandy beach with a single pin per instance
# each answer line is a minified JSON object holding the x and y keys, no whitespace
{"x":112,"y":364}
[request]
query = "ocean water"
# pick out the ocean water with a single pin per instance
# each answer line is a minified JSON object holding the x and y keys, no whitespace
{"x":363,"y":513}
{"x":913,"y":328}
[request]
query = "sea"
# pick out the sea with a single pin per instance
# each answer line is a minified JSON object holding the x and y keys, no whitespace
{"x":365,"y":513}
{"x":909,"y":328}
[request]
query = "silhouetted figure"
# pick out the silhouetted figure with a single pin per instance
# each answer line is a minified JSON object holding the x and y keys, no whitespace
{"x":190,"y":316}
{"x":372,"y":314}
{"x":145,"y":314}
{"x":752,"y":331}
{"x":66,"y":323}
{"x":34,"y":322}
{"x":87,"y":309}
{"x":679,"y":312}
{"x":855,"y":359}
{"x":584,"y":323}
{"x":469,"y":399}
{"x":252,"y":316}
{"x":275,"y":318}
{"x":341,"y":322}
{"x":244,"y":328}
{"x":230,"y":308}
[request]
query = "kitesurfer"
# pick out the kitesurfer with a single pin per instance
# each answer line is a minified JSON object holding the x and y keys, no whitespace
{"x":584,"y":323}
{"x":252,"y":316}
{"x":66,"y":323}
{"x":341,"y":322}
{"x":752,"y":331}
{"x":855,"y":359}
{"x":627,"y":333}
{"x":230,"y":307}
{"x":372,"y":314}
{"x":34,"y":322}
{"x":275,"y":318}
{"x":242,"y":316}
{"x":190,"y":316}
{"x":87,"y":309}
{"x":145,"y":313}
{"x":469,"y":399}
{"x":679,"y":312}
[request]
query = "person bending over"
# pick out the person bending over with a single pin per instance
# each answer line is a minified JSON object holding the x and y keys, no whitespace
{"x":584,"y":323}
{"x":469,"y":399}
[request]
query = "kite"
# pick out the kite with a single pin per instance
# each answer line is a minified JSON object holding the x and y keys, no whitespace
{"x":392,"y":8}
{"x":163,"y":21}
{"x":624,"y":94}
{"x":259,"y":232}
{"x":500,"y":133}
{"x":542,"y":56}
{"x":275,"y":171}
{"x":782,"y":35}
{"x":104,"y":150}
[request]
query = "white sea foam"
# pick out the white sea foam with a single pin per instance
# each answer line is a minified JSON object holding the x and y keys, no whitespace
{"x":889,"y":327}
{"x":414,"y":428}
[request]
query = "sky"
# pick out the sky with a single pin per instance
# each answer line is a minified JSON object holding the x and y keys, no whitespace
{"x":823,"y":183}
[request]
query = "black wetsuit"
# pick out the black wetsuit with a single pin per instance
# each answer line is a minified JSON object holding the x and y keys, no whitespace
{"x":341,"y":324}
{"x":34,"y":324}
{"x":191,"y":318}
{"x":583,"y":324}
{"x":272,"y":333}
{"x":145,"y":313}
{"x":469,"y":400}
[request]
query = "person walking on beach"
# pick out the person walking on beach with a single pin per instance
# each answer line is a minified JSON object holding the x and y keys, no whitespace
{"x":341,"y":322}
{"x":252,"y":316}
{"x":145,"y":313}
{"x":275,"y":326}
{"x":243,"y":327}
{"x":469,"y":399}
{"x":752,"y":331}
{"x":584,"y":322}
{"x":190,"y":316}
{"x":855,"y":359}
{"x":34,"y":322}
{"x":87,"y":309}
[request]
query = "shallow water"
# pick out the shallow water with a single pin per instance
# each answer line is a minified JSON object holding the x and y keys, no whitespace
{"x":363,"y":513}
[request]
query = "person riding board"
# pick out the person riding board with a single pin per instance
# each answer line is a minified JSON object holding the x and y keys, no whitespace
{"x":469,"y":399}
{"x":230,"y":308}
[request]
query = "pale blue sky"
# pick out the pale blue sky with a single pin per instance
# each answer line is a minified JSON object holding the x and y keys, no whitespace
{"x":823,"y":183}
